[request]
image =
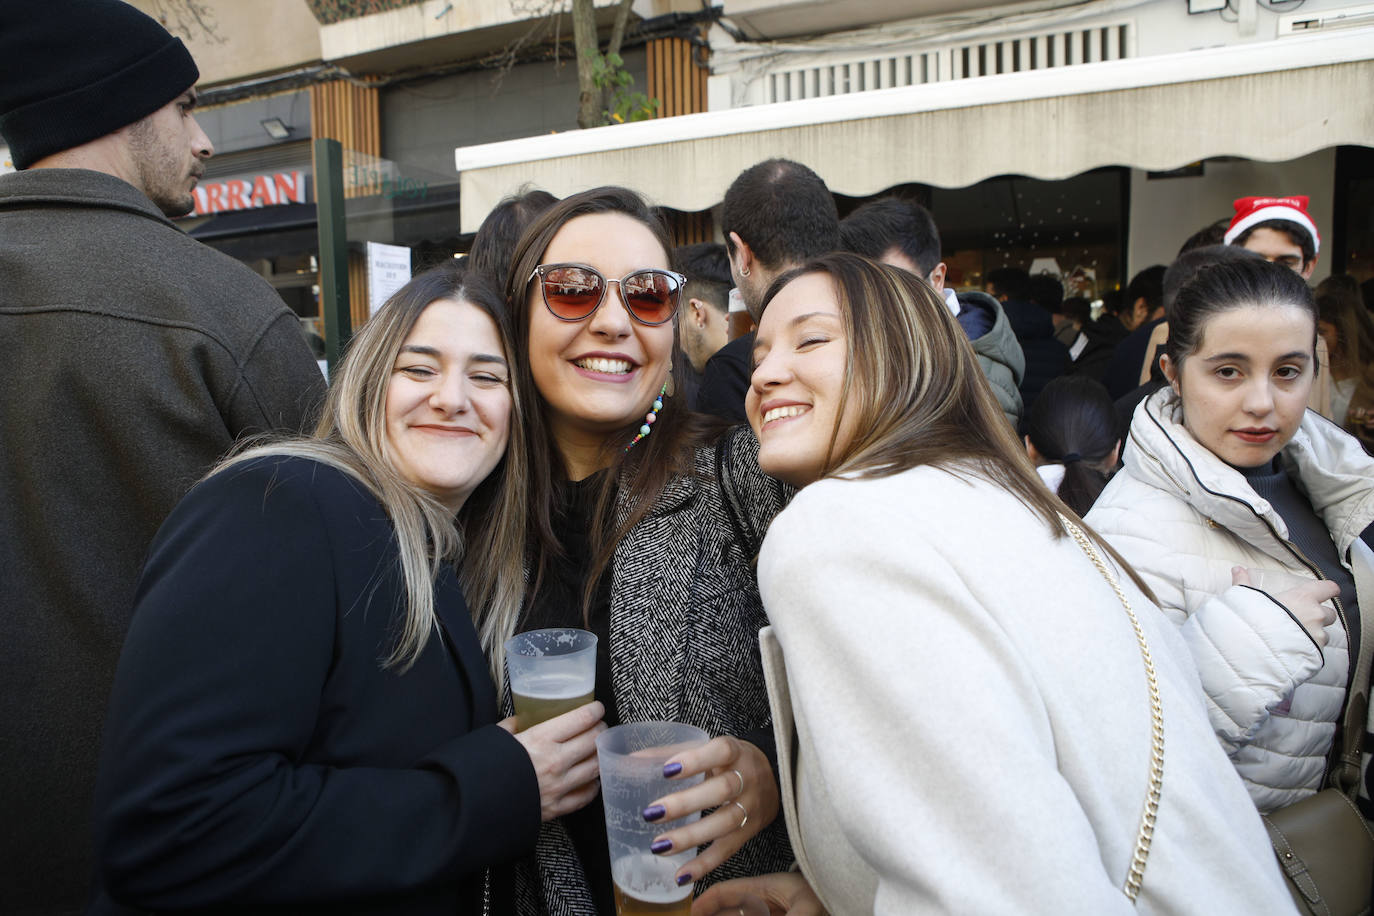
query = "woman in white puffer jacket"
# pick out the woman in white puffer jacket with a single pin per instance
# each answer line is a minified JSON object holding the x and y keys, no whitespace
{"x":1250,"y":518}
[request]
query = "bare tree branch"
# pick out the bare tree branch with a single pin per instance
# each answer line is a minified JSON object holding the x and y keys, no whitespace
{"x":593,"y":100}
{"x":188,"y":18}
{"x":543,"y":12}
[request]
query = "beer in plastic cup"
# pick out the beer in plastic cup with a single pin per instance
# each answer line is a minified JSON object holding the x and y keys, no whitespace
{"x":631,"y":759}
{"x":551,"y":672}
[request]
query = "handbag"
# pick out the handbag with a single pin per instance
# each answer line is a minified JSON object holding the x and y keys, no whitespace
{"x":1136,"y":872}
{"x":1324,"y":845}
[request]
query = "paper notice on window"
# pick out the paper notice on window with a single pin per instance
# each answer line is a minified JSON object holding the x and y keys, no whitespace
{"x":388,"y":269}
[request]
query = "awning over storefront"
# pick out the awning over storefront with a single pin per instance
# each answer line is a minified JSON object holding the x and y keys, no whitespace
{"x":1269,"y":100}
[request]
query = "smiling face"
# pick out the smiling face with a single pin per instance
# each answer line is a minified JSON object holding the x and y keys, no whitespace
{"x":794,"y":399}
{"x":601,"y":374}
{"x":448,"y":403}
{"x":1246,"y":383}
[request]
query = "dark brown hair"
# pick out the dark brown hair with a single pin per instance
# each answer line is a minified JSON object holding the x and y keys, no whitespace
{"x":1227,"y":285}
{"x":645,"y":469}
{"x":1073,"y":422}
{"x":783,"y":211}
{"x":500,"y":232}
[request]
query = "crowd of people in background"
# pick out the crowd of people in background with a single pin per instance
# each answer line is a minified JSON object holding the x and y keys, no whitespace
{"x":989,"y":600}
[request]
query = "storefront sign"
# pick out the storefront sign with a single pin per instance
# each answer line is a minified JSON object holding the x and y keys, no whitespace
{"x":249,"y":193}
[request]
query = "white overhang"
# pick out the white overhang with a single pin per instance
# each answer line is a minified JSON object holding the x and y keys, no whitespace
{"x":1270,"y":100}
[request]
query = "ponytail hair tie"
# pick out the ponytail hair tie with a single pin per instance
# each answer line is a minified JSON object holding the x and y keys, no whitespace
{"x":1071,"y":457}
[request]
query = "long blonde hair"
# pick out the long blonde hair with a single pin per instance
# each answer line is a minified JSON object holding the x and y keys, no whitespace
{"x":351,"y":437}
{"x":919,"y":394}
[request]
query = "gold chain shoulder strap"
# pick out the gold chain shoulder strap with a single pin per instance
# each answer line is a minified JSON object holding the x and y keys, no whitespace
{"x":1147,"y":818}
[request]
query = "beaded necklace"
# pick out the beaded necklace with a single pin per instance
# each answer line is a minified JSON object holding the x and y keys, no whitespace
{"x":650,"y":417}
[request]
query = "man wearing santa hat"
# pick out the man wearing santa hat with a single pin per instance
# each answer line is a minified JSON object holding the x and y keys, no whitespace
{"x":1279,"y":229}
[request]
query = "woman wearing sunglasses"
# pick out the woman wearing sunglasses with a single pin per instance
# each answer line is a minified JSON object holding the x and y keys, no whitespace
{"x":641,"y":531}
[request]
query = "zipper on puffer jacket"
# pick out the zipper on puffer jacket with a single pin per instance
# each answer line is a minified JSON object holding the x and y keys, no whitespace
{"x":1291,"y":547}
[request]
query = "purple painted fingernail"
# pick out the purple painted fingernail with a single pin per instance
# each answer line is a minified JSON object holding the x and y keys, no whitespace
{"x":654,"y":812}
{"x":684,"y":879}
{"x":671,"y":769}
{"x":660,"y":846}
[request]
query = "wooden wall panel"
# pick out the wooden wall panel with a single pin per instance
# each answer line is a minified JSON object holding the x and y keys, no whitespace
{"x":357,"y":289}
{"x":689,"y":228}
{"x":348,"y":113}
{"x":677,"y":76}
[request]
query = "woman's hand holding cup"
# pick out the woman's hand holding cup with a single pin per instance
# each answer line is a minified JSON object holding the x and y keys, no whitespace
{"x":563,"y":751}
{"x":740,"y":786}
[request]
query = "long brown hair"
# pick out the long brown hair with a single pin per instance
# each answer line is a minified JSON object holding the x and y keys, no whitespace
{"x":644,"y":470}
{"x":919,"y":393}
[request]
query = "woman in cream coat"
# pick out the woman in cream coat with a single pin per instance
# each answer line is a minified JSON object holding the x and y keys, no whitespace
{"x":973,"y":726}
{"x":1236,"y":504}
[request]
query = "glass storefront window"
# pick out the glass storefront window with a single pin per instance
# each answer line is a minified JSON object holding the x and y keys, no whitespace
{"x":1074,"y":228}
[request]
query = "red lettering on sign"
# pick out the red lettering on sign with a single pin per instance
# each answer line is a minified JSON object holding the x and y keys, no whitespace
{"x":233,"y":193}
{"x":248,"y":193}
{"x":216,"y":194}
{"x":290,"y":187}
{"x":264,"y":192}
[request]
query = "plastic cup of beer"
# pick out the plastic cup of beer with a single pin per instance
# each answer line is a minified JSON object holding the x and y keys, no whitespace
{"x":631,"y":759}
{"x":738,"y":320}
{"x":551,"y":672}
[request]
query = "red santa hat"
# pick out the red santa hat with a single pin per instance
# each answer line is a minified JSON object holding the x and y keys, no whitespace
{"x":1251,"y":211}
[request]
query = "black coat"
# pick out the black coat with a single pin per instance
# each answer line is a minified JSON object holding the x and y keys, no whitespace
{"x":1123,"y":376}
{"x":1103,"y":336}
{"x":258,"y":756}
{"x":725,"y":380}
{"x":1046,"y":358}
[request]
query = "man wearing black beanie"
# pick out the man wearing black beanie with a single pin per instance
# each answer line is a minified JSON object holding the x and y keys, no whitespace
{"x":131,"y":357}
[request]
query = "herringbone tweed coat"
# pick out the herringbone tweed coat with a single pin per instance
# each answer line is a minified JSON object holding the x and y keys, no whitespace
{"x":685,"y":616}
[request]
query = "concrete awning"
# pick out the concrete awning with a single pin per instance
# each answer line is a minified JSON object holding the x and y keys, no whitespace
{"x":1270,"y":100}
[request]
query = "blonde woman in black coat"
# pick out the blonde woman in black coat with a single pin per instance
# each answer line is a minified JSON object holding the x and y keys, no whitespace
{"x":303,"y":719}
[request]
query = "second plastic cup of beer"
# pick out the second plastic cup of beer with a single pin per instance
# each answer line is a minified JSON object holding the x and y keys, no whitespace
{"x":551,"y":672}
{"x":631,"y":758}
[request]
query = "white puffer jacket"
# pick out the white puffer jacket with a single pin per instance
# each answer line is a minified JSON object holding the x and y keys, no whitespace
{"x":1184,"y":518}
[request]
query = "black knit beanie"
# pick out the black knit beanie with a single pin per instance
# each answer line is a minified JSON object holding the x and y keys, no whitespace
{"x":75,"y":70}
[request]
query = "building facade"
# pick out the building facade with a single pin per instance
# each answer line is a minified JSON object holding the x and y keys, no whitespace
{"x":1087,"y":138}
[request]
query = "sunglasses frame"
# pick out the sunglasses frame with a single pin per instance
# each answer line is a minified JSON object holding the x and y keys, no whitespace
{"x":606,"y":282}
